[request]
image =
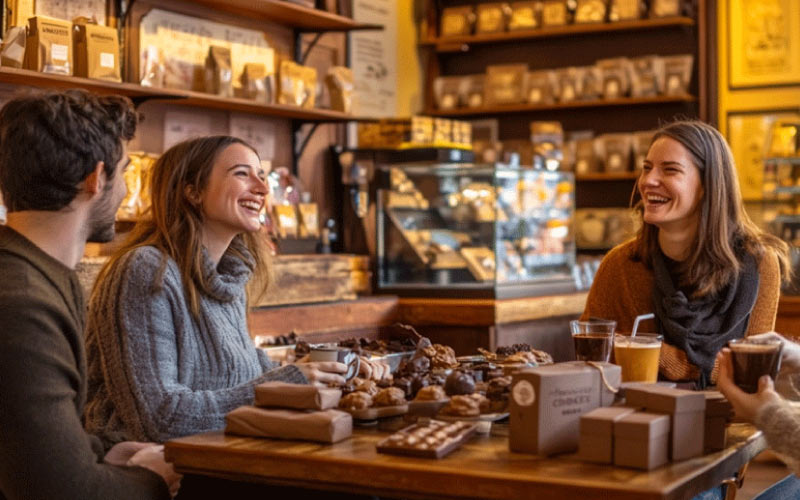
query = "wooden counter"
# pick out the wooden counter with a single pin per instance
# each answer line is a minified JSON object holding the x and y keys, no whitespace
{"x":483,"y":468}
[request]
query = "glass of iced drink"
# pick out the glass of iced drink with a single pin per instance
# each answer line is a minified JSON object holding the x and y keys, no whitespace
{"x":638,"y":356}
{"x":752,"y":359}
{"x":593,"y":339}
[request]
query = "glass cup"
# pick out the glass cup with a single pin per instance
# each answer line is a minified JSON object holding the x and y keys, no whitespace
{"x":593,"y":339}
{"x":752,"y":359}
{"x":638,"y":356}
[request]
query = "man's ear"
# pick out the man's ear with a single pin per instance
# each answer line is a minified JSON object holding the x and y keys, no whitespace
{"x":93,"y":183}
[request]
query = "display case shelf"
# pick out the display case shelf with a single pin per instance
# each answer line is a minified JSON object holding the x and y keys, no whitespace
{"x":574,"y":105}
{"x":462,"y":43}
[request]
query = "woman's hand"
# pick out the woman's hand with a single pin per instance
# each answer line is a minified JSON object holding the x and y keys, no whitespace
{"x":745,"y":405}
{"x":790,"y":354}
{"x":374,"y":370}
{"x":322,"y":373}
{"x":152,"y":457}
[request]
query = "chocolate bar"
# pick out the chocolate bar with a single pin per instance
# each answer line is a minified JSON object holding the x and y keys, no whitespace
{"x":428,"y":439}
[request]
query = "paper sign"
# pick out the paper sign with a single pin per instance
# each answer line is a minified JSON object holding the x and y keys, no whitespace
{"x":179,"y":126}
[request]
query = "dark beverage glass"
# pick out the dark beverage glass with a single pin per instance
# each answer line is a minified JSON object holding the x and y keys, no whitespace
{"x":752,"y":359}
{"x":594,"y":339}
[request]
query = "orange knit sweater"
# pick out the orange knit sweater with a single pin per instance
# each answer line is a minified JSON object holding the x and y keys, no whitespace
{"x":623,"y":289}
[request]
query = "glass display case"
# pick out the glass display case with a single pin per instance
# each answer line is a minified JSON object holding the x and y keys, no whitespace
{"x":780,"y":211}
{"x":474,"y":230}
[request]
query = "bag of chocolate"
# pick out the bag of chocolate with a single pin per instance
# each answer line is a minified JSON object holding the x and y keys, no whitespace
{"x":219,"y":72}
{"x":96,"y":51}
{"x":48,"y":48}
{"x":12,"y":53}
{"x":298,"y":85}
{"x":255,"y":85}
{"x":341,"y":88}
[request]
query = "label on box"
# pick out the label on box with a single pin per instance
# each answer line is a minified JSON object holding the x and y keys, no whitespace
{"x":59,"y":52}
{"x":523,"y":393}
{"x":106,"y":60}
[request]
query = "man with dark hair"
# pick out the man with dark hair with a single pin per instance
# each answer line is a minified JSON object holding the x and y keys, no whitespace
{"x":62,"y":157}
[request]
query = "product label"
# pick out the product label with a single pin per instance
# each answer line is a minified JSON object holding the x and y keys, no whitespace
{"x":59,"y":52}
{"x":106,"y":60}
{"x":523,"y":393}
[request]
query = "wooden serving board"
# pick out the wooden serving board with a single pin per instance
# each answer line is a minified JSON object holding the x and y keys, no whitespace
{"x":376,"y":412}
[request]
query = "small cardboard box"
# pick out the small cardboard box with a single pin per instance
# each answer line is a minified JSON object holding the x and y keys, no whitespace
{"x":96,"y":52}
{"x":547,"y":401}
{"x":48,"y":47}
{"x":641,"y":440}
{"x":597,"y":433}
{"x":636,"y":396}
{"x":687,"y":412}
{"x":718,"y":412}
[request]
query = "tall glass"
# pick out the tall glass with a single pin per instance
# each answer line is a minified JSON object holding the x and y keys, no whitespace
{"x":752,"y":359}
{"x":593,"y":339}
{"x":638,"y":356}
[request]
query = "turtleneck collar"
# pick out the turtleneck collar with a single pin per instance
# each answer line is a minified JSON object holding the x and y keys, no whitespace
{"x":227,"y":279}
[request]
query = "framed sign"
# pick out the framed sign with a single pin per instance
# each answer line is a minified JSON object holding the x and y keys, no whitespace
{"x":748,"y":136}
{"x":763,"y":43}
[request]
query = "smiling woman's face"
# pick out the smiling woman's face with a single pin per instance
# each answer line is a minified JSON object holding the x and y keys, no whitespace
{"x":670,"y":186}
{"x":235,"y":193}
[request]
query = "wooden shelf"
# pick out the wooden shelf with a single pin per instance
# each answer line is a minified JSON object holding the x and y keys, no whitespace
{"x":621,"y":176}
{"x":461,"y":43}
{"x":533,"y":108}
{"x":182,"y":97}
{"x":288,"y":14}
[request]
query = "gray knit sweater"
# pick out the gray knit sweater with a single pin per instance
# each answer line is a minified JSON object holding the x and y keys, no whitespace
{"x":156,"y":372}
{"x":780,"y":423}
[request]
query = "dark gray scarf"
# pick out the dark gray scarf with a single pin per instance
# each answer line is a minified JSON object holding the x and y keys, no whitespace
{"x":701,"y":327}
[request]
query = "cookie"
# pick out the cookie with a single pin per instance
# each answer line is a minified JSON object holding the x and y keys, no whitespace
{"x":391,"y":396}
{"x":431,"y":393}
{"x":356,"y":401}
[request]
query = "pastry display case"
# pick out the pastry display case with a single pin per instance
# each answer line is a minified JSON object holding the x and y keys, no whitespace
{"x":474,"y":230}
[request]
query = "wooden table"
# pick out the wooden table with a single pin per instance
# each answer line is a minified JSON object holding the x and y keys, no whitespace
{"x":483,"y":468}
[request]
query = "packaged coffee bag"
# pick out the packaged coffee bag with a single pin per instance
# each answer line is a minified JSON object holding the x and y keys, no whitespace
{"x":298,"y":85}
{"x":96,"y":51}
{"x":219,"y":72}
{"x":254,"y":83}
{"x":341,"y":88}
{"x":49,"y":45}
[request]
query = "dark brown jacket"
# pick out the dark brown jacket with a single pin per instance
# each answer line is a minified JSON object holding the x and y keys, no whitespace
{"x":44,"y":451}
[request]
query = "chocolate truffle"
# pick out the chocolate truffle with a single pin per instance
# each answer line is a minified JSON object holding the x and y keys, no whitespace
{"x":459,"y":382}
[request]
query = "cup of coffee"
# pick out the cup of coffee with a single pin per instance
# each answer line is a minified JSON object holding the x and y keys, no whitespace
{"x":638,"y":356}
{"x":593,"y":339}
{"x":752,"y":359}
{"x":339,"y":354}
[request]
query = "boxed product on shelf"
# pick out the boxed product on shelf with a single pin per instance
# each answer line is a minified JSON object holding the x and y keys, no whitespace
{"x":96,"y":51}
{"x":590,"y":83}
{"x":505,"y":84}
{"x":442,"y":130}
{"x":17,"y":13}
{"x":647,"y":76}
{"x":666,"y":8}
{"x":525,"y":15}
{"x":586,"y":162}
{"x":603,"y":228}
{"x":446,"y":91}
{"x":461,"y":132}
{"x":48,"y":48}
{"x":257,"y":84}
{"x":567,"y":81}
{"x":615,"y":152}
{"x":492,"y":17}
{"x":548,"y":143}
{"x":677,"y":74}
{"x":417,"y":131}
{"x":554,"y":13}
{"x":616,"y":77}
{"x":219,"y":72}
{"x":298,"y":84}
{"x":12,"y":52}
{"x":641,"y":144}
{"x":542,"y":87}
{"x":590,"y":11}
{"x":457,"y":21}
{"x":341,"y":88}
{"x":471,"y":91}
{"x":625,"y":10}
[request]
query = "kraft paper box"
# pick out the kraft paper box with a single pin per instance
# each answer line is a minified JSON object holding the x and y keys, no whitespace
{"x":718,"y":411}
{"x":687,"y":415}
{"x":97,"y":52}
{"x":547,"y":402}
{"x":48,"y":47}
{"x":641,"y":440}
{"x":597,"y":433}
{"x":296,"y":396}
{"x":326,"y":426}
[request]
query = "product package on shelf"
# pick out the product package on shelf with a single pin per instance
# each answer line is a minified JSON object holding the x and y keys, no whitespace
{"x":590,"y":83}
{"x":625,"y":10}
{"x":417,"y":131}
{"x":48,"y":48}
{"x":647,"y":76}
{"x":257,"y":84}
{"x":471,"y":91}
{"x":555,"y":13}
{"x":505,"y":84}
{"x":641,"y":144}
{"x":525,"y":15}
{"x":137,"y":181}
{"x":615,"y":152}
{"x":586,"y":162}
{"x":218,"y":72}
{"x":17,"y":13}
{"x":542,"y":87}
{"x":666,"y":8}
{"x":492,"y":17}
{"x":590,"y":11}
{"x":446,"y":91}
{"x":298,"y":84}
{"x":12,"y":52}
{"x":341,"y":88}
{"x":603,"y":228}
{"x":548,"y":143}
{"x":568,"y":81}
{"x":457,"y":21}
{"x":152,"y":67}
{"x":616,"y":77}
{"x":96,"y":51}
{"x":678,"y":74}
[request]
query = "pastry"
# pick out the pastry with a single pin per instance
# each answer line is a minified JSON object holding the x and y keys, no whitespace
{"x":368,"y":386}
{"x":459,"y":382}
{"x":391,"y":396}
{"x":466,"y":405}
{"x":431,"y":393}
{"x":404,"y":384}
{"x":441,"y":356}
{"x":356,"y":401}
{"x":521,"y":357}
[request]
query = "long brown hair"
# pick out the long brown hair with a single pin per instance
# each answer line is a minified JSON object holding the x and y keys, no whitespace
{"x":174,"y":224}
{"x":724,"y":224}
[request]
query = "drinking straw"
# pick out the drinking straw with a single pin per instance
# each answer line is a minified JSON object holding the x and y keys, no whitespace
{"x":639,"y":318}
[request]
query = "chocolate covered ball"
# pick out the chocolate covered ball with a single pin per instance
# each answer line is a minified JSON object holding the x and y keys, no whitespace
{"x":459,"y":382}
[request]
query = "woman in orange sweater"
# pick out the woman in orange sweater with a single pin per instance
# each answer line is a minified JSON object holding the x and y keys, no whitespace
{"x":698,"y":262}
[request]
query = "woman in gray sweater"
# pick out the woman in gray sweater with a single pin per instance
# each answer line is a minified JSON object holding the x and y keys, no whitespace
{"x":169,"y":353}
